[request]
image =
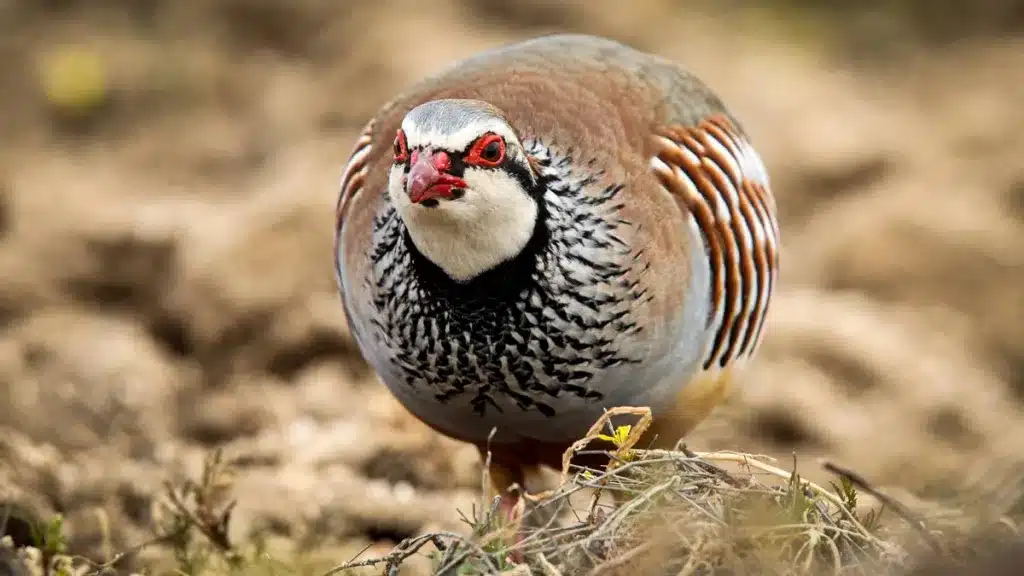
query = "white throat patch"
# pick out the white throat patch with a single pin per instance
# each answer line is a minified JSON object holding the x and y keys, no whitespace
{"x":470,"y":235}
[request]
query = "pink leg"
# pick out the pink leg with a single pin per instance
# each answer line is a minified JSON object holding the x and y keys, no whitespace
{"x":504,"y":474}
{"x":507,"y":507}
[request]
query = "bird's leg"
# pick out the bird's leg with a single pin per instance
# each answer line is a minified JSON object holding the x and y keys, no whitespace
{"x":503,"y":476}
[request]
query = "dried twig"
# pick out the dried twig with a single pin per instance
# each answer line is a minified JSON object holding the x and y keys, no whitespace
{"x":913,"y":519}
{"x":546,"y":566}
{"x":620,"y":560}
{"x":405,"y":549}
{"x":636,"y":432}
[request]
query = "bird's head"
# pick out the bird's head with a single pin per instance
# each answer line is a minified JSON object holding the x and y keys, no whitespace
{"x":463,"y":185}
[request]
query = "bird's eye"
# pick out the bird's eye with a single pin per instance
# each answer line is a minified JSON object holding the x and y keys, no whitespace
{"x":488,"y":151}
{"x":401,"y":151}
{"x":491,"y":152}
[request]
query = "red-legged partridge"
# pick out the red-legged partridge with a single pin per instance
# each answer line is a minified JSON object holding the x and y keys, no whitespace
{"x":550,"y":229}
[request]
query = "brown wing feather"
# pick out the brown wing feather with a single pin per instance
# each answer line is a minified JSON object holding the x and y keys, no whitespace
{"x":354,"y":174}
{"x":353,"y":179}
{"x":715,"y":173}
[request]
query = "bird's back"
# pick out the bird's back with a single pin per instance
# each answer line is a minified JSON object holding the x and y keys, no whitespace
{"x":575,"y":90}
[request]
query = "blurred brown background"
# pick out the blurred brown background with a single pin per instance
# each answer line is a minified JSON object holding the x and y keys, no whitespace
{"x":168,"y":173}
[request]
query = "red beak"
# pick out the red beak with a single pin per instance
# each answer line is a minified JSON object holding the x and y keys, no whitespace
{"x":428,"y":178}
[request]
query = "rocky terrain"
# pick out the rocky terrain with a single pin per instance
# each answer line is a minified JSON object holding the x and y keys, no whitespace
{"x":168,"y":173}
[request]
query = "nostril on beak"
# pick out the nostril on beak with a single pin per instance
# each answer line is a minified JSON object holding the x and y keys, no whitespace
{"x":421,"y":174}
{"x":441,"y":161}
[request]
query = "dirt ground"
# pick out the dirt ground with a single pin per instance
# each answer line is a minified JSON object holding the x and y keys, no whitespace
{"x":165,"y":252}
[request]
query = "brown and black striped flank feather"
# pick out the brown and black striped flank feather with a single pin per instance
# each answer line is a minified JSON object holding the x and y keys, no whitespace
{"x":352,"y":179}
{"x":354,"y":174}
{"x":721,"y":181}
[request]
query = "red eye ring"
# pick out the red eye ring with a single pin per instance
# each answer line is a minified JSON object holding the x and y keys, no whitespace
{"x":487,"y":151}
{"x":401,"y":149}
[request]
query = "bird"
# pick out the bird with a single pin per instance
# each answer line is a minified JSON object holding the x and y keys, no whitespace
{"x":548,"y":229}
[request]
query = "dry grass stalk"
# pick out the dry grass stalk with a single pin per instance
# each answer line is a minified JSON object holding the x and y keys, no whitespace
{"x":681,"y":512}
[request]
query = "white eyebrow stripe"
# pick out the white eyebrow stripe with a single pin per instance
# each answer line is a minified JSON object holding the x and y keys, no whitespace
{"x":456,"y":141}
